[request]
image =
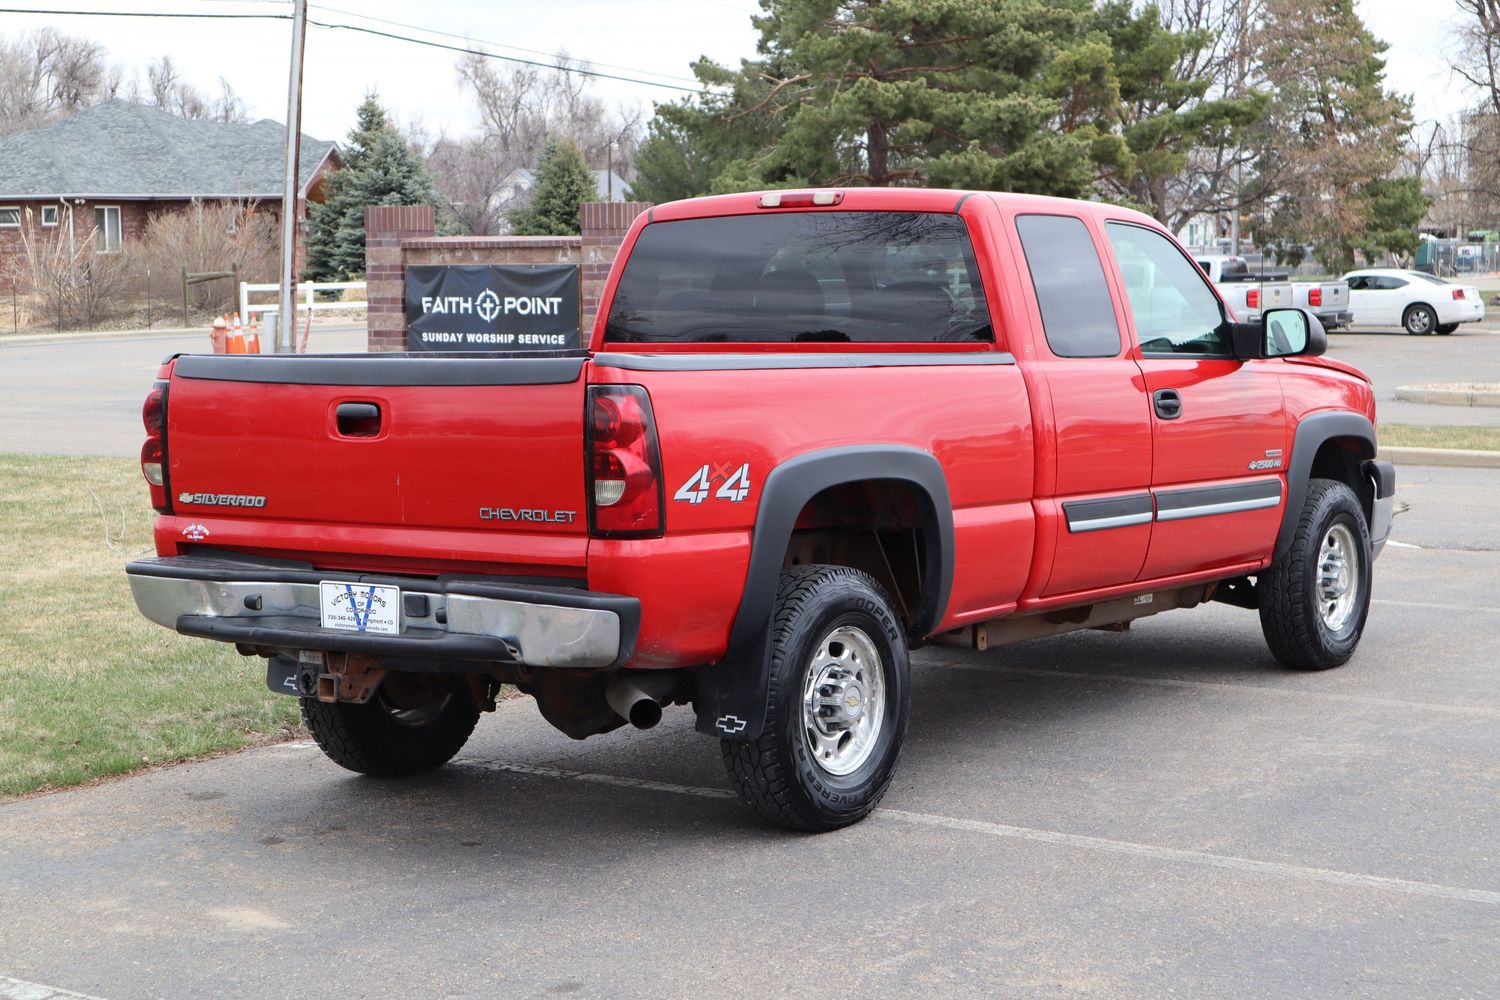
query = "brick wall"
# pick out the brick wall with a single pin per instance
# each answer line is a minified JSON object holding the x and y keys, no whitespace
{"x":134,"y":216}
{"x":396,"y":236}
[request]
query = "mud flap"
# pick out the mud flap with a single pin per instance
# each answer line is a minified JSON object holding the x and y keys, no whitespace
{"x":730,"y":696}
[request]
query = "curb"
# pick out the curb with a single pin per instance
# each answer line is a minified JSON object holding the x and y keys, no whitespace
{"x":1452,"y":457}
{"x":50,"y":338}
{"x":1447,"y":397}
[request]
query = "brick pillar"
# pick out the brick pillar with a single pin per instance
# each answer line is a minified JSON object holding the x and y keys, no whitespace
{"x":385,"y":271}
{"x":604,"y":224}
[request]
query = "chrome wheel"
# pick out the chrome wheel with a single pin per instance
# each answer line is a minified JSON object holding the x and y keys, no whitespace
{"x":1419,"y":321}
{"x":843,"y":701}
{"x":1338,"y":577}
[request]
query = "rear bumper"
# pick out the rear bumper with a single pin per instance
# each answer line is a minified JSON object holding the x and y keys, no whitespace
{"x":272,"y":603}
{"x":1383,"y":476}
{"x":1336,"y":320}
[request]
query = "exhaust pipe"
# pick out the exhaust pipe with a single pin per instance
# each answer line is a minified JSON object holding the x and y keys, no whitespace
{"x":632,"y":704}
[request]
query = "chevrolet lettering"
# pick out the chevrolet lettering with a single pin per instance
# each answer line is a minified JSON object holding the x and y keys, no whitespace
{"x":808,"y":432}
{"x":524,"y":514}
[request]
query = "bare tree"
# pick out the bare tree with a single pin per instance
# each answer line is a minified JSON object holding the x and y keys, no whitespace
{"x":1477,"y":137}
{"x":46,"y":75}
{"x":520,"y":108}
{"x":472,"y":175}
{"x":1211,"y":181}
{"x":166,"y":89}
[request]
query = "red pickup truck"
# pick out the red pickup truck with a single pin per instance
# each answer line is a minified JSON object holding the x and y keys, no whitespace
{"x":812,"y":431}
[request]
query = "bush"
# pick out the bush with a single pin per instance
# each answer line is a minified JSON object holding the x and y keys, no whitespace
{"x":211,"y":236}
{"x":74,"y":285}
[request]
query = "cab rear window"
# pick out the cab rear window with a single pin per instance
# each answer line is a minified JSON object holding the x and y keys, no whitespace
{"x":858,"y":277}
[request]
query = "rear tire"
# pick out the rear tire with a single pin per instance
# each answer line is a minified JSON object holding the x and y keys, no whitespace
{"x":1419,"y":321}
{"x":386,"y":737}
{"x":836,"y":704}
{"x":1313,"y":602}
{"x":1446,"y":328}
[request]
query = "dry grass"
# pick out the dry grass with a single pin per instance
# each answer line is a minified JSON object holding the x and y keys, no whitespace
{"x":1420,"y":436}
{"x":88,"y":687}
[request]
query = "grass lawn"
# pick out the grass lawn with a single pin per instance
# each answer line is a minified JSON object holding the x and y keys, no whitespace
{"x":88,"y":687}
{"x":1420,"y":436}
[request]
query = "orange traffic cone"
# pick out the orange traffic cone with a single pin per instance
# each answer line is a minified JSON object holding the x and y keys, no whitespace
{"x":252,"y":339}
{"x":236,"y":336}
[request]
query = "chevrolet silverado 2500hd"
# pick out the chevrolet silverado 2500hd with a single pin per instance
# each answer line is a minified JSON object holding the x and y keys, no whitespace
{"x":812,"y":431}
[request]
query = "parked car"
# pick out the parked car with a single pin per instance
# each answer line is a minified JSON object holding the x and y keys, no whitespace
{"x":811,"y":432}
{"x":1418,"y":302}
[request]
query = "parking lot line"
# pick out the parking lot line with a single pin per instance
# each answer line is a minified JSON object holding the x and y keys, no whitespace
{"x":1479,"y":711}
{"x":20,"y":989}
{"x":1435,"y":607}
{"x":1053,"y":837}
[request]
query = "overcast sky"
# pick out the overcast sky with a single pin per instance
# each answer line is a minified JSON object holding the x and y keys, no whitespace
{"x":648,"y":39}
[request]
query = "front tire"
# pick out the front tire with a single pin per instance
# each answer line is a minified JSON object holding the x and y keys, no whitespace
{"x":1313,"y":602}
{"x":1419,"y":320}
{"x":406,"y":727}
{"x":836,"y":703}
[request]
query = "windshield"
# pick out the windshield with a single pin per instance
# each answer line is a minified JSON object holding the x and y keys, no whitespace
{"x":1427,"y":277}
{"x":861,"y":277}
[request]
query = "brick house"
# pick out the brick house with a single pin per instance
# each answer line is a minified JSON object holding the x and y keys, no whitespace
{"x":100,"y":174}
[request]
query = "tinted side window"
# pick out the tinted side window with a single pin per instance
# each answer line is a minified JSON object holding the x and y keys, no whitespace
{"x":860,"y":277}
{"x":1173,"y":308}
{"x":1078,"y":316}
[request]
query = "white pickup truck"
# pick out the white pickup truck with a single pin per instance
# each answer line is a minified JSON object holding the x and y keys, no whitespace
{"x":1249,"y":293}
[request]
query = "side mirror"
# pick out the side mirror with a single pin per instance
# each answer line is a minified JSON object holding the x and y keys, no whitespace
{"x":1281,"y":333}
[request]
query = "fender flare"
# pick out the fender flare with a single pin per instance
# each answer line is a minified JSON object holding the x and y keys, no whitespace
{"x":731,"y":695}
{"x":1313,"y":431}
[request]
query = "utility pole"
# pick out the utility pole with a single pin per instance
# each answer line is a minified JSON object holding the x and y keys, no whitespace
{"x":286,"y":311}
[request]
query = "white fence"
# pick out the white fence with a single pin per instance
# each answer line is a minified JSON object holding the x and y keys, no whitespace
{"x":305,"y":292}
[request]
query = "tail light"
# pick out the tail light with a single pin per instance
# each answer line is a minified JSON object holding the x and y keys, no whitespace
{"x":1315,"y":297}
{"x":1252,"y":298}
{"x":799,"y":199}
{"x":625,"y":484}
{"x":1458,"y":294}
{"x":154,"y":451}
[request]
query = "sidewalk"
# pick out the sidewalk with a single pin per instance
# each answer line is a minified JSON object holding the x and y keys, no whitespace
{"x":22,"y":339}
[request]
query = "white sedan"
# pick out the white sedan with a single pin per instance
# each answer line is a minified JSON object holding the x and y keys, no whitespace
{"x":1413,"y":300}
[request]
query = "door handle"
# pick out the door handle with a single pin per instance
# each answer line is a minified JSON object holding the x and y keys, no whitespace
{"x":1168,"y":403}
{"x":358,"y":419}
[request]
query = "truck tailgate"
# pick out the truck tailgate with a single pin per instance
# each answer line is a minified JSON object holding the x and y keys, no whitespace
{"x":434,"y":445}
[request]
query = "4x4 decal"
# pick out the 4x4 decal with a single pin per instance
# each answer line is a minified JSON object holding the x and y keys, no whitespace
{"x":735,"y":489}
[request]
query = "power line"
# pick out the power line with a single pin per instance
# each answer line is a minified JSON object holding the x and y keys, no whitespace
{"x":490,"y":44}
{"x":216,"y":16}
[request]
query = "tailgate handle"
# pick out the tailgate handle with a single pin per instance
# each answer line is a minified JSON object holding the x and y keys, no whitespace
{"x":358,"y":419}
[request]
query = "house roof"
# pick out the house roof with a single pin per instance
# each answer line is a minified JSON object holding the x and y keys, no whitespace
{"x":602,"y":183}
{"x":122,"y":150}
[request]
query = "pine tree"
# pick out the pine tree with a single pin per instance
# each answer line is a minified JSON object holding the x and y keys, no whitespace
{"x":562,"y":183}
{"x":379,"y":169}
{"x":913,"y":92}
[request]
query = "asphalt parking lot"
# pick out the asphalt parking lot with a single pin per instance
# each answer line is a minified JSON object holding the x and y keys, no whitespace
{"x":1163,"y":812}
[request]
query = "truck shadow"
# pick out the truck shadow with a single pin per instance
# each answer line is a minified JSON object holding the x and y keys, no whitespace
{"x":599,"y":802}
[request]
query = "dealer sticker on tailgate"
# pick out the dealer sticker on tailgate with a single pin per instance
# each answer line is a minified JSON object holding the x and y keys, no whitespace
{"x":360,"y":607}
